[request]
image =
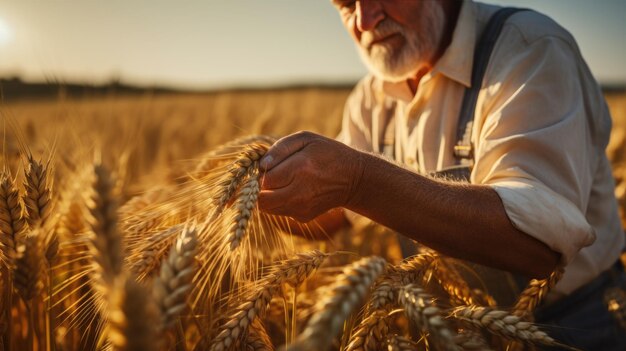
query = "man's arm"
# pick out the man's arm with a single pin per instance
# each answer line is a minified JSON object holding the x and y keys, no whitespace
{"x":307,"y":174}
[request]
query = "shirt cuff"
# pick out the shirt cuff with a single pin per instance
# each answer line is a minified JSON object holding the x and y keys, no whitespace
{"x":545,"y":215}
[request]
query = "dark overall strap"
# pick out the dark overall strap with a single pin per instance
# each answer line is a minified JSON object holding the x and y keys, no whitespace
{"x":463,"y":148}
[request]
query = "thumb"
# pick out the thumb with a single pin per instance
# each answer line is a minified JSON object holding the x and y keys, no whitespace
{"x":284,"y":148}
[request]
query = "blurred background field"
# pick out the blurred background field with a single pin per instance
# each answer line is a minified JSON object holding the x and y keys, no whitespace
{"x":160,"y":132}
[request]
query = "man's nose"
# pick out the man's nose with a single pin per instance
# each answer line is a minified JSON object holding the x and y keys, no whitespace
{"x":368,"y":14}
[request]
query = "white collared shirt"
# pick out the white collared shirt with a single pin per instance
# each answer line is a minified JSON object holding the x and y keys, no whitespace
{"x":540,"y":131}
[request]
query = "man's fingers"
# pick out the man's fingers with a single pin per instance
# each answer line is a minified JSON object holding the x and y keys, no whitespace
{"x":280,"y":176}
{"x":272,"y":201}
{"x":280,"y":202}
{"x":284,"y":148}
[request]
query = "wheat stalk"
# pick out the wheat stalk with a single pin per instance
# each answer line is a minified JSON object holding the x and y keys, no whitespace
{"x":370,"y":334}
{"x":504,"y":324}
{"x":52,"y":247}
{"x":105,"y":244}
{"x":420,"y":308}
{"x":534,"y":294}
{"x":292,"y":271}
{"x":341,"y":300}
{"x":174,"y":282}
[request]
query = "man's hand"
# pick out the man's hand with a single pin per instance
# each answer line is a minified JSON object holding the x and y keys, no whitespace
{"x":305,"y":175}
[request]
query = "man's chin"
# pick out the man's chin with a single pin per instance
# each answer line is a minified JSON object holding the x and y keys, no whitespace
{"x":386,"y":67}
{"x":389,"y":73}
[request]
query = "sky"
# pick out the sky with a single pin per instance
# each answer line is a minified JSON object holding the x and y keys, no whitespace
{"x":229,"y":43}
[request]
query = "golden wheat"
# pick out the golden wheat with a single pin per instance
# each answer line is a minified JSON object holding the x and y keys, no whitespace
{"x":292,"y":271}
{"x":234,"y":280}
{"x":105,"y":244}
{"x":12,"y":224}
{"x":257,"y":338}
{"x":421,"y":310}
{"x":370,"y":334}
{"x":342,"y":298}
{"x":534,"y":294}
{"x":245,"y":204}
{"x":174,"y":282}
{"x":410,"y":270}
{"x":400,"y":343}
{"x":457,"y":288}
{"x":27,"y":276}
{"x":37,"y":199}
{"x":246,"y":161}
{"x":504,"y":324}
{"x":131,"y":316}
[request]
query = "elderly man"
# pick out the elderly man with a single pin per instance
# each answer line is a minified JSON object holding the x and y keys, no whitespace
{"x":512,"y":102}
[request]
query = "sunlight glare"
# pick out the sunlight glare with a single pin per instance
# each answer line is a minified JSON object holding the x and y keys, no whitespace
{"x":5,"y":33}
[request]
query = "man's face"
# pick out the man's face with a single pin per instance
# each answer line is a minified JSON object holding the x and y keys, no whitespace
{"x":395,"y":38}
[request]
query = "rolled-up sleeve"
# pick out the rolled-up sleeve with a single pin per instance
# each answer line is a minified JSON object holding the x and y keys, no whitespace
{"x":536,"y":143}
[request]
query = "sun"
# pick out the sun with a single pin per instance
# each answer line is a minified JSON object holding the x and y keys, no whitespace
{"x":5,"y":33}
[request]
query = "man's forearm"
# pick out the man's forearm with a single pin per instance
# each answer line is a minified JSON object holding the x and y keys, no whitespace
{"x":460,"y":220}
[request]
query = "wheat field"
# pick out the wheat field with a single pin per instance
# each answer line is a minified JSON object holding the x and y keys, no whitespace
{"x":130,"y":223}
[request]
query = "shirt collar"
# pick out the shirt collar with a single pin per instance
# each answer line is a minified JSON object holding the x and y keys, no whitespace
{"x":455,"y":63}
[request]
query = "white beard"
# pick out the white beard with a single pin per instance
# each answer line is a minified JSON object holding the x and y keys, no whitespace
{"x":395,"y":64}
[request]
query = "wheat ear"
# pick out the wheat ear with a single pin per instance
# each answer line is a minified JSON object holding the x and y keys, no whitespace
{"x":37,"y":198}
{"x":504,"y":324}
{"x":383,"y":295}
{"x":12,"y":224}
{"x":236,"y":144}
{"x":131,"y":317}
{"x":534,"y":294}
{"x":370,"y":334}
{"x":411,"y":270}
{"x":343,"y":297}
{"x":12,"y":229}
{"x":213,"y":157}
{"x":228,"y":185}
{"x":292,"y":271}
{"x":148,"y":256}
{"x":174,"y":282}
{"x":245,"y":205}
{"x":105,"y":244}
{"x":420,"y":308}
{"x":457,"y":288}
